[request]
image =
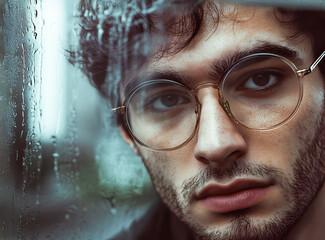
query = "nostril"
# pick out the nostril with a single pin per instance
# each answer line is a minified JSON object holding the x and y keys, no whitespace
{"x":203,"y":160}
{"x":211,"y":159}
{"x":234,"y":155}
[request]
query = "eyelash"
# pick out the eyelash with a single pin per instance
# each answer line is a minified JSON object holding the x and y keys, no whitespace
{"x":149,"y":102}
{"x":275,"y":72}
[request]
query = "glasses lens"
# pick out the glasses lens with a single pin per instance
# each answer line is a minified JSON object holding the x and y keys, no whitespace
{"x":262,"y":91}
{"x":162,"y":114}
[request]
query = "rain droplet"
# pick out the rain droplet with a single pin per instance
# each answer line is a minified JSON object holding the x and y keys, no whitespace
{"x":113,"y":210}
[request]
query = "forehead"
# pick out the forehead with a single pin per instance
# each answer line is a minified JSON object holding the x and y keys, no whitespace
{"x":236,"y":32}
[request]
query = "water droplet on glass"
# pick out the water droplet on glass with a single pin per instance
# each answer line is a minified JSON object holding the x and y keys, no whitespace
{"x":113,"y":210}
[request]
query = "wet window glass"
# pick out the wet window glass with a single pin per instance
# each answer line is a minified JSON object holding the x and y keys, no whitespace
{"x":59,"y":177}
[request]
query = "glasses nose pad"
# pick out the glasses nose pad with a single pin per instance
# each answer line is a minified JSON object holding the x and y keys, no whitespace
{"x":227,"y":109}
{"x":226,"y":106}
{"x":196,"y":110}
{"x":197,"y":105}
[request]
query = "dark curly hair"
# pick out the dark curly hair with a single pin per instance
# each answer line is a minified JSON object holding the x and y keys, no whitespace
{"x":116,"y":36}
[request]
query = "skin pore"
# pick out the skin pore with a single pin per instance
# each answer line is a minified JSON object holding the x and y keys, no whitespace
{"x":288,"y":158}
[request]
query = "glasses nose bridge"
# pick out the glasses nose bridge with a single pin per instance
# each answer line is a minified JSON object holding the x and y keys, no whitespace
{"x":206,"y":85}
{"x":224,"y":103}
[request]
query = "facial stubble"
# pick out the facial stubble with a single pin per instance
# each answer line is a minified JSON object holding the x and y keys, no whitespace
{"x":298,"y":190}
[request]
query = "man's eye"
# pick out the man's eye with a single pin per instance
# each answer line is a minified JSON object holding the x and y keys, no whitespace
{"x":260,"y":81}
{"x":166,"y":102}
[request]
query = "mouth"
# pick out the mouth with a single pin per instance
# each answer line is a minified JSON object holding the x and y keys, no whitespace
{"x":236,"y":195}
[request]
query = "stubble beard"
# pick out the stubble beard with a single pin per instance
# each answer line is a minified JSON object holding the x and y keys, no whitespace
{"x":299,"y":191}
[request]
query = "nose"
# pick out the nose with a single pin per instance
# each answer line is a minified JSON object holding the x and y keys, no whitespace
{"x":218,"y":139}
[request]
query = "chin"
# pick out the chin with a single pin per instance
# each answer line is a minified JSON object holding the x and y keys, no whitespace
{"x":241,"y":226}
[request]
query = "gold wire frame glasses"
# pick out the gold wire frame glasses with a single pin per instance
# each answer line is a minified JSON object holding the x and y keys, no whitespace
{"x":261,"y":92}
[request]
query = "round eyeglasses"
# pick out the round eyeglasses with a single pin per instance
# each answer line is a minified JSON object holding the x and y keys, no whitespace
{"x":260,"y":91}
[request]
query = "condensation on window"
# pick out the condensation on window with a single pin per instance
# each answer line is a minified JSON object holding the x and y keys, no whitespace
{"x":65,"y":172}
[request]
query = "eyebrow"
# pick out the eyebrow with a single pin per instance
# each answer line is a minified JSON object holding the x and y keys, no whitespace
{"x":165,"y":74}
{"x":219,"y":67}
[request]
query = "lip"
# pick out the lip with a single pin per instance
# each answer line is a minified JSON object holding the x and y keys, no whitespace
{"x":237,"y":195}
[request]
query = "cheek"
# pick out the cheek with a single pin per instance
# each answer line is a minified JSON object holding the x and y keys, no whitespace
{"x":281,"y":147}
{"x":314,"y":92}
{"x":170,"y":168}
{"x":275,"y":148}
{"x":159,"y":167}
{"x":312,"y":106}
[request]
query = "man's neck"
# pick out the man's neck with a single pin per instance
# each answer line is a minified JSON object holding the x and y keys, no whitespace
{"x":311,"y":225}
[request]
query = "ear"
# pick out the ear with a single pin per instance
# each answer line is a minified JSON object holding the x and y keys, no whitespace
{"x":128,"y":139}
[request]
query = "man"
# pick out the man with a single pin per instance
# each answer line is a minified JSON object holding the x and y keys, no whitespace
{"x":225,"y":105}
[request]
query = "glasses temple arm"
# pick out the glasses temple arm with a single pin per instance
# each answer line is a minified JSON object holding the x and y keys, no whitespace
{"x":317,"y":61}
{"x":119,"y":110}
{"x":312,"y":67}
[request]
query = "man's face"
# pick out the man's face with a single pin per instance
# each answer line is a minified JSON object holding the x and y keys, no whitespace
{"x":230,"y":182}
